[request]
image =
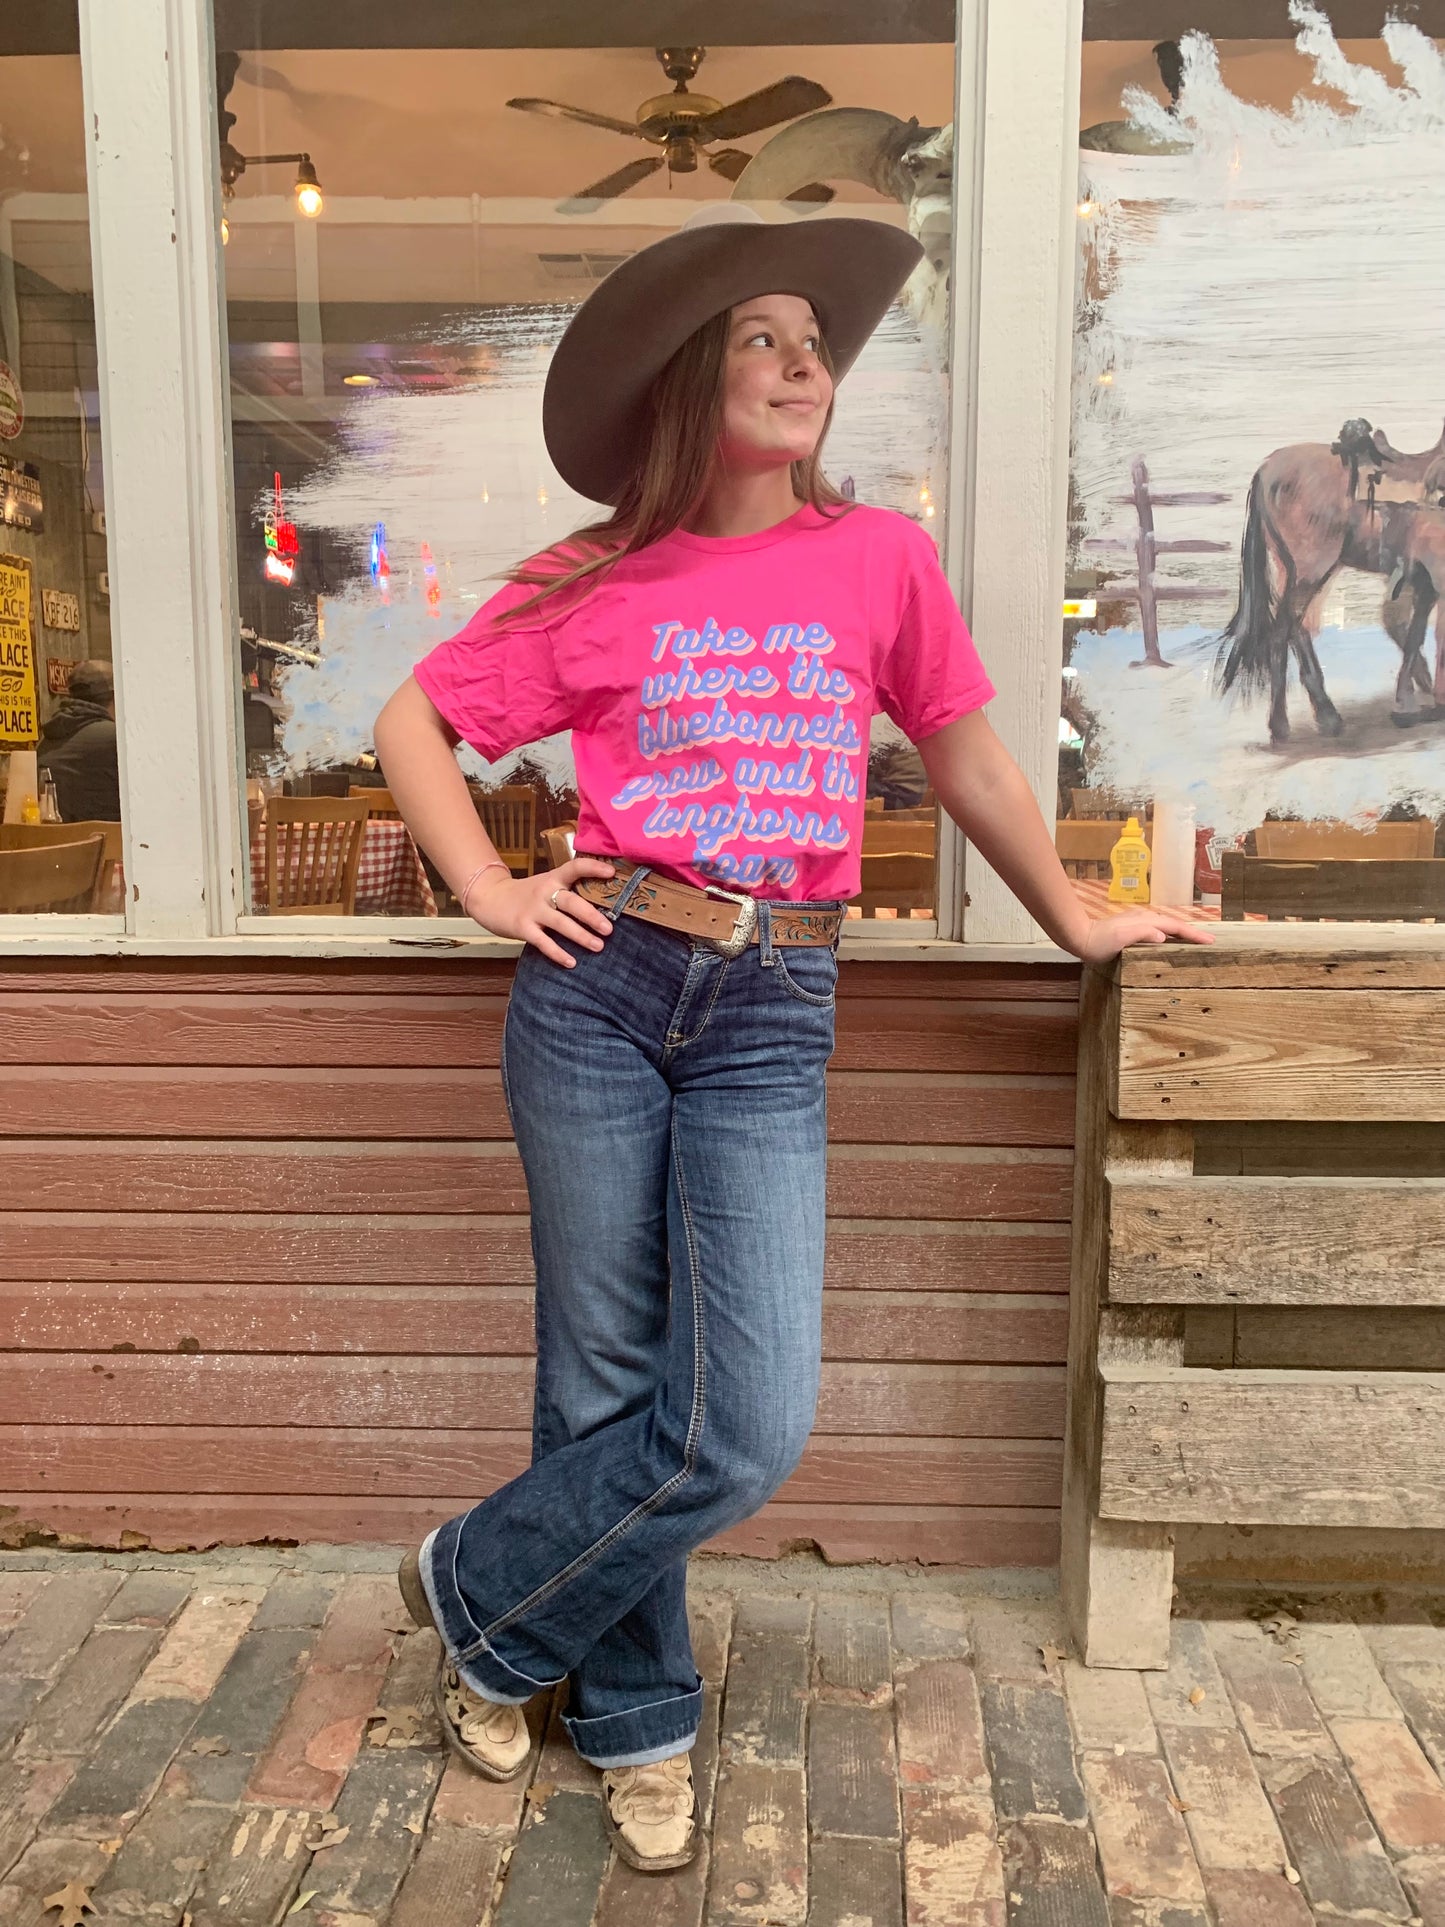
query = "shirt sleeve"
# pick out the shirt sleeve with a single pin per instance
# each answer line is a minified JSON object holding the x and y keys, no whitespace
{"x":498,"y":687}
{"x":932,"y":673}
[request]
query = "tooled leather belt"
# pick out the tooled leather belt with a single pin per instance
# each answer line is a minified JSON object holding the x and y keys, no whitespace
{"x":725,"y":919}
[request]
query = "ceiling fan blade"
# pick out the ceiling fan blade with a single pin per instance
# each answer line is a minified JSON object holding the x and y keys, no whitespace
{"x":815,"y":191}
{"x":584,"y":114}
{"x":587,"y":200}
{"x":729,"y":162}
{"x":784,"y":100}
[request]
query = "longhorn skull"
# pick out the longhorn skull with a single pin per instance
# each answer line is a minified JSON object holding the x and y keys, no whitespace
{"x":909,"y":163}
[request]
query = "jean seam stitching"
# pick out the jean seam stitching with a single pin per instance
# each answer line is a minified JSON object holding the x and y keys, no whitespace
{"x":797,"y":990}
{"x":718,"y":981}
{"x":600,"y":1719}
{"x":646,"y":1507}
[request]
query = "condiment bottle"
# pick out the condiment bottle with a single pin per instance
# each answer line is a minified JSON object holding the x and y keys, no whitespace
{"x":1129,"y":866}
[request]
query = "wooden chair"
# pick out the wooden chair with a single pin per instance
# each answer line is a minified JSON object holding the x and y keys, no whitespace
{"x":509,"y":817}
{"x":1084,"y":843}
{"x":255,"y":815}
{"x":380,"y":800}
{"x":898,"y":882}
{"x":554,"y":842}
{"x":897,"y":834}
{"x":51,"y":877}
{"x":313,"y":851}
{"x":1317,"y":842}
{"x":109,"y":888}
{"x":1342,"y":889}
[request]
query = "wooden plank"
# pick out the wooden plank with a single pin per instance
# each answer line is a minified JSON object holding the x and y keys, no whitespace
{"x":1115,"y":1579}
{"x":1338,"y":1338}
{"x":864,"y":1107}
{"x":379,"y":1248}
{"x":1274,"y":1447}
{"x":1372,"y":888}
{"x":234,"y":1101}
{"x":487,"y":1321}
{"x":218,"y":1175}
{"x":342,"y":1462}
{"x":1271,"y":1148}
{"x":485,"y":1394}
{"x":1351,"y":1054}
{"x":470,"y":975}
{"x":1257,"y":956}
{"x":931,"y":1535}
{"x":1296,"y":1241}
{"x":333,"y":1029}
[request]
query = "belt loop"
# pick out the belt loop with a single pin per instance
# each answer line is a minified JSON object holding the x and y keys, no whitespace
{"x":615,"y":909}
{"x":765,"y":932}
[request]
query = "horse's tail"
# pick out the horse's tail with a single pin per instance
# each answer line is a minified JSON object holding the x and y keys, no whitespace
{"x":1245,"y":643}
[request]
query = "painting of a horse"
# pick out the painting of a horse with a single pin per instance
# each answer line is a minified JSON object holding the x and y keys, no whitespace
{"x":1312,"y":510}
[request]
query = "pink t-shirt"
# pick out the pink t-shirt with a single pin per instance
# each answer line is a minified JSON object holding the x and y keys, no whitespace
{"x":719,"y":691}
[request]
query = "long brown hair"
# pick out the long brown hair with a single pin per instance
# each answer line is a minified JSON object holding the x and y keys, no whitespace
{"x":685,"y":405}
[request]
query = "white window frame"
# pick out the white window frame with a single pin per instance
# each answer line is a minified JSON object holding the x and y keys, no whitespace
{"x":148,"y":72}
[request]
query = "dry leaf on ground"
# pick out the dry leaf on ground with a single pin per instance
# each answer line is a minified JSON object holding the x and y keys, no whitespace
{"x":302,"y":1901}
{"x":1198,"y":1696}
{"x":74,"y":1902}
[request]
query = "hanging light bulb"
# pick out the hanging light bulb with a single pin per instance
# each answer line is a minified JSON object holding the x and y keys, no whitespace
{"x":308,"y":190}
{"x":225,"y":231}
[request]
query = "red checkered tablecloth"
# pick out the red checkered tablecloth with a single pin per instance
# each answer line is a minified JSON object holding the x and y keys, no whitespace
{"x":1093,"y":892}
{"x":390,"y":879}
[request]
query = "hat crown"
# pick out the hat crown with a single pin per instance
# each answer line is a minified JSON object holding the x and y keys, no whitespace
{"x":720,"y":213}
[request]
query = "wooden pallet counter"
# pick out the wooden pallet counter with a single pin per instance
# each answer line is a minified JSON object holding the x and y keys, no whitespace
{"x":1259,"y":1225}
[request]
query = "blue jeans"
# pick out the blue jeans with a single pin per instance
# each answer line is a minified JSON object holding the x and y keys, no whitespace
{"x":669,"y":1110}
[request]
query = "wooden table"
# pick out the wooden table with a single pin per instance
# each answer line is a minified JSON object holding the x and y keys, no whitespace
{"x":1259,"y":1227}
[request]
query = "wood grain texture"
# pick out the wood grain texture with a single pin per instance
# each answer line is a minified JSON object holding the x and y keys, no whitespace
{"x":265,"y":1261}
{"x":378,"y":1248}
{"x":485,"y":1394}
{"x":931,"y":1535}
{"x":1313,"y":1053}
{"x":458,"y":974}
{"x":1273,"y":1447}
{"x":338,"y":1462}
{"x":494,"y":1320}
{"x":220,"y":1175}
{"x":325,"y":1031}
{"x":1258,"y":957}
{"x":1298,"y":1241}
{"x":231,"y":1101}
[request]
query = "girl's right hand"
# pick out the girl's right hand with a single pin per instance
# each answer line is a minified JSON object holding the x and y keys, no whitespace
{"x":518,"y":907}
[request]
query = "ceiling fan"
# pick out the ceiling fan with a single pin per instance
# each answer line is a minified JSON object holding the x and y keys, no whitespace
{"x":684,"y":125}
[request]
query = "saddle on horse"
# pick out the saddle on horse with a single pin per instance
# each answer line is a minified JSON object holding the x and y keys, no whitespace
{"x":1391,"y":476}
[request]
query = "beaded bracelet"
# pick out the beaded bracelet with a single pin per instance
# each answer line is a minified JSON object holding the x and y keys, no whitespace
{"x":495,"y":864}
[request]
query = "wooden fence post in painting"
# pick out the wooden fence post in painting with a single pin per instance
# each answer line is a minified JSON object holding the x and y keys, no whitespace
{"x":1147,"y":548}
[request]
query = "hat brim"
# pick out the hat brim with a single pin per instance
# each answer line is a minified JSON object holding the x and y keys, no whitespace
{"x":631,"y":325}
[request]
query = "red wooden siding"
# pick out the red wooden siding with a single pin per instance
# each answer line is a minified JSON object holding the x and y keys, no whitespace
{"x":265,"y":1274}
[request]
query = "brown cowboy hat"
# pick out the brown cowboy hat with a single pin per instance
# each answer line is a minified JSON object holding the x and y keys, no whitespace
{"x":594,"y":414}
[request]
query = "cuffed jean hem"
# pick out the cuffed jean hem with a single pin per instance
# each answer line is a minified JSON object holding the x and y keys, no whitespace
{"x":482,"y":1669}
{"x":641,"y":1736}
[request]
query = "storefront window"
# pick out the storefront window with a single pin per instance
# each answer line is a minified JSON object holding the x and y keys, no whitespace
{"x":60,"y":823}
{"x":408,"y":232}
{"x":1255,"y":670}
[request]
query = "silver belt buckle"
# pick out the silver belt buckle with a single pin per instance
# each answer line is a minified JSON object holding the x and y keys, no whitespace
{"x":743,"y":929}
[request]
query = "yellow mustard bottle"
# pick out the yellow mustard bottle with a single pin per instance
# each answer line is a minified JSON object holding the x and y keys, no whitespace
{"x":30,"y":809}
{"x":1129,"y":866}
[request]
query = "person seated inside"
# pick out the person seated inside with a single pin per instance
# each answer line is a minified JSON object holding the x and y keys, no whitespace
{"x":78,"y":747}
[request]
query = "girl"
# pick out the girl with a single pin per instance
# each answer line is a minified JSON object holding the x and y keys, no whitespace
{"x":717,"y":646}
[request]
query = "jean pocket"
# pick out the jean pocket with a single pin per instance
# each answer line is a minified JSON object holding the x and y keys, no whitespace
{"x":808,"y":972}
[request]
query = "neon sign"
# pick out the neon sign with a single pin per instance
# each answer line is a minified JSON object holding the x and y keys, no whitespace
{"x":380,"y":567}
{"x":283,"y":544}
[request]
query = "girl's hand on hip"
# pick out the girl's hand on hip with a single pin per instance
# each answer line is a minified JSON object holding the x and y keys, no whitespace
{"x":521,"y":908}
{"x":1107,"y":936}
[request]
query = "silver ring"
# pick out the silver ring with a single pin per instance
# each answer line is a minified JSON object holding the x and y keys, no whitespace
{"x":552,"y":899}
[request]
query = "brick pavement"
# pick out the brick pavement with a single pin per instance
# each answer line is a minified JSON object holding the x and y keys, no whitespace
{"x":244,"y":1739}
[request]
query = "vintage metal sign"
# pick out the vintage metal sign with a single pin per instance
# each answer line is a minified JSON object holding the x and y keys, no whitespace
{"x":19,"y":715}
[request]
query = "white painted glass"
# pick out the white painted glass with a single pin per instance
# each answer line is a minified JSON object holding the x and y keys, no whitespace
{"x":387,"y":352}
{"x":60,"y":807}
{"x":1254,"y":664}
